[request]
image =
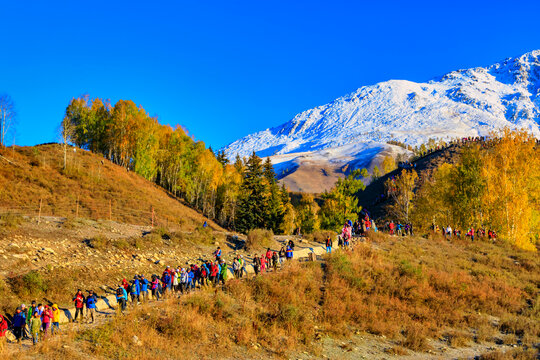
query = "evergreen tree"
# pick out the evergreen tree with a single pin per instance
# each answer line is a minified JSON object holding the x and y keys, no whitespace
{"x":251,"y":211}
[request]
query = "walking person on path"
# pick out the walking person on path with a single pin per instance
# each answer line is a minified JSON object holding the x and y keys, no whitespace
{"x":289,"y":253}
{"x":91,"y":301}
{"x":3,"y":329}
{"x":79,"y":305}
{"x":19,"y":321}
{"x":46,"y":318}
{"x":155,"y":287}
{"x":328,"y":245}
{"x":35,"y":327}
{"x":144,"y":288}
{"x":282,"y":255}
{"x":121,"y":297}
{"x":55,"y":319}
{"x":275,"y":260}
{"x":256,"y":264}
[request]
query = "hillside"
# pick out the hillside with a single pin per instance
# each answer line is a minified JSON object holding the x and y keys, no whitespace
{"x":90,"y":186}
{"x":388,"y":298}
{"x":353,"y":129}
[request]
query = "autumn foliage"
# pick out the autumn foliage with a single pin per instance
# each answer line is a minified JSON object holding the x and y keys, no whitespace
{"x":494,"y":186}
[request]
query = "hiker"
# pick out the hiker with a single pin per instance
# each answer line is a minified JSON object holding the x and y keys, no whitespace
{"x":328,"y":245}
{"x":55,"y":319}
{"x":374,"y":227}
{"x":91,"y":301}
{"x":3,"y":329}
{"x":214,"y":273}
{"x":289,"y":253}
{"x":268,"y":257}
{"x":46,"y":317}
{"x":183,"y":280}
{"x":256,"y":264}
{"x":121,"y":297}
{"x":133,"y":291}
{"x":236,"y":267}
{"x":35,"y":327}
{"x":242,"y":265}
{"x":175,"y":280}
{"x":29,"y":316}
{"x":144,"y":288}
{"x":191,"y":278}
{"x":263,"y":263}
{"x":79,"y":305}
{"x":448,"y":232}
{"x":125,"y":284}
{"x":391,"y":226}
{"x":18,"y":322}
{"x":166,"y":282}
{"x":217,"y":254}
{"x":281,"y":255}
{"x":155,"y":287}
{"x":24,"y":311}
{"x":340,"y":241}
{"x":275,"y":260}
{"x":203,"y":274}
{"x":223,"y":275}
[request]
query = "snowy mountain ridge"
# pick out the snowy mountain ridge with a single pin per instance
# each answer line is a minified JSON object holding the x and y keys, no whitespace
{"x":468,"y":102}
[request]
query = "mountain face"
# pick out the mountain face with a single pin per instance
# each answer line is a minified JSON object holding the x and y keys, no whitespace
{"x":354,"y":129}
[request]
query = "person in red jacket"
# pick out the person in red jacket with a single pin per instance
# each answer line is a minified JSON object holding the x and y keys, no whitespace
{"x":214,"y":273}
{"x":268,"y":258}
{"x":46,"y":317}
{"x":3,"y":329}
{"x":125,"y":284}
{"x":79,"y":305}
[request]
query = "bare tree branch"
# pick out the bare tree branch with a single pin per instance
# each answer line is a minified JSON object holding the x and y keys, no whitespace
{"x":7,"y":116}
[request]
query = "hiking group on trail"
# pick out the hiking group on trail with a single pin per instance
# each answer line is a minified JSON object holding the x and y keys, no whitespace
{"x":39,"y":321}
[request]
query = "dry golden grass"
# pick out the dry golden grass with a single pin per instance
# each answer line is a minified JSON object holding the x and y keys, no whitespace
{"x":275,"y":312}
{"x":417,"y":287}
{"x":99,"y":187}
{"x":408,"y":289}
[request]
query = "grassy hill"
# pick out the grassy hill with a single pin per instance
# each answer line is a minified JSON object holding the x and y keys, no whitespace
{"x":90,"y":187}
{"x":423,"y":297}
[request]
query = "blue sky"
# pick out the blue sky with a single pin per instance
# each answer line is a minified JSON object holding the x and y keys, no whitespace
{"x":225,"y":69}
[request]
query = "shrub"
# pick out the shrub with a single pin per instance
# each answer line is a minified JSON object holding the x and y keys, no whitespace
{"x":10,"y":220}
{"x":30,"y":284}
{"x":259,"y":238}
{"x":98,"y":242}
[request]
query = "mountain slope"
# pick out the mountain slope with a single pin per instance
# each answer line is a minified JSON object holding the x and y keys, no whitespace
{"x":91,"y":186}
{"x":357,"y":126}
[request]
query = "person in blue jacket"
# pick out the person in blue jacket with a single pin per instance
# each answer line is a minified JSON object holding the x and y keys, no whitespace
{"x":191,"y":276}
{"x":121,"y":297}
{"x":144,"y":288}
{"x":91,"y":301}
{"x":19,"y":322}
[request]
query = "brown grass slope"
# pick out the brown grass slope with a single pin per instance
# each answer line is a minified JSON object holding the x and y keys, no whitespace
{"x":422,"y":294}
{"x":102,"y":189}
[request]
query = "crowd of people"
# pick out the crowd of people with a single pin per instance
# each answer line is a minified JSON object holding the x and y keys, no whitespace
{"x":39,"y":321}
{"x":450,"y":233}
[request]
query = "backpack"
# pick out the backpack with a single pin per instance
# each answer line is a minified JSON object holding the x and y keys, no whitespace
{"x":119,"y":292}
{"x":90,"y":300}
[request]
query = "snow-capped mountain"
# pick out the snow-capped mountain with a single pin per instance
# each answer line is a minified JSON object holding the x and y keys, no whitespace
{"x":356,"y":127}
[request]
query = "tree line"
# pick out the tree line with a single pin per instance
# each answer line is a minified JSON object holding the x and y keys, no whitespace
{"x":493,"y":185}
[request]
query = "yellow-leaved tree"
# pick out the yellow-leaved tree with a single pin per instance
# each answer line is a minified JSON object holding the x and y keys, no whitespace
{"x":511,"y":168}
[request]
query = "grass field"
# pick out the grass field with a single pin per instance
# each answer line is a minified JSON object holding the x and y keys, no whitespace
{"x":411,"y":290}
